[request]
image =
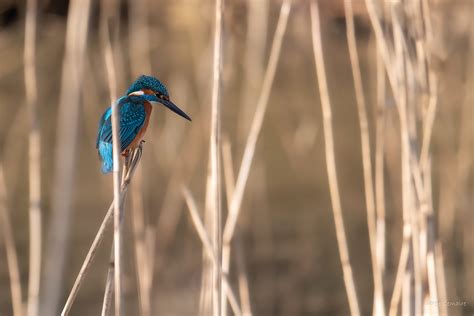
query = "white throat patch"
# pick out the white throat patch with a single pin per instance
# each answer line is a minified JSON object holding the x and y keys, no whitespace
{"x":137,"y":93}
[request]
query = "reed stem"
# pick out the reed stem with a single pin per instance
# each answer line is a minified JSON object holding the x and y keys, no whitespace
{"x":331,"y":161}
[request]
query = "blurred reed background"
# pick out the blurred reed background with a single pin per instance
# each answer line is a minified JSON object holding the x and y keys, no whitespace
{"x":354,"y":113}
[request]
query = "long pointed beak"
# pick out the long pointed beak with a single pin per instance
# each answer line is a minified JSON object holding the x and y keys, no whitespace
{"x":173,"y":107}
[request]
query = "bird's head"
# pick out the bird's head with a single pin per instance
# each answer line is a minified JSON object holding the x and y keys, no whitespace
{"x":154,"y":91}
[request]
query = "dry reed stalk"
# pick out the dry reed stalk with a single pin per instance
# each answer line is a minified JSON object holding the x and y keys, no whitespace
{"x":229,"y":181}
{"x":401,"y":88}
{"x":441,"y":278}
{"x":257,"y":122}
{"x":425,"y":287}
{"x":402,"y":264}
{"x":407,"y":295}
{"x":235,"y":201}
{"x":11,"y":254}
{"x":227,"y":163}
{"x":433,"y":281}
{"x":34,"y":149}
{"x":214,"y":185}
{"x":242,"y":276}
{"x":129,"y":167}
{"x":330,"y":160}
{"x":420,"y":219}
{"x":65,"y":156}
{"x":433,"y":297}
{"x":207,"y":295}
{"x":88,"y":260}
{"x":141,"y":248}
{"x":118,"y":206}
{"x":139,"y":52}
{"x":109,"y":284}
{"x":207,"y":289}
{"x":426,"y":230}
{"x":380,"y":165}
{"x":429,"y":116}
{"x":130,"y":164}
{"x":422,"y":171}
{"x":425,"y":240}
{"x":243,"y":280}
{"x":379,"y":305}
{"x":382,"y":45}
{"x":201,"y":230}
{"x":416,"y":261}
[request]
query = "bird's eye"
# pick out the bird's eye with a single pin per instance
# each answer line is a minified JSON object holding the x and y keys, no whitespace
{"x":162,"y":96}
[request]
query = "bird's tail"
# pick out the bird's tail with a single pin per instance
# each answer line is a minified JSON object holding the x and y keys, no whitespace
{"x":105,"y":153}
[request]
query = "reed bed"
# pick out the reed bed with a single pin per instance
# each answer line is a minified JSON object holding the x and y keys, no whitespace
{"x":327,"y":170}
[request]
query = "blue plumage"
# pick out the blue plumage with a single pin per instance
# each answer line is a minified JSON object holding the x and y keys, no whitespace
{"x":132,"y":118}
{"x":148,"y":82}
{"x":105,"y":152}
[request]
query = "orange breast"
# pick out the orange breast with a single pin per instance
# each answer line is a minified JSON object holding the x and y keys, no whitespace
{"x":142,"y":131}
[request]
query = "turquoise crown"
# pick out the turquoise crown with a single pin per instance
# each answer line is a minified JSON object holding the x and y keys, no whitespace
{"x":148,"y":82}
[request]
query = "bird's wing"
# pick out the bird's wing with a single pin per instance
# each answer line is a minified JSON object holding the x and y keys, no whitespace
{"x":102,"y":122}
{"x":132,"y":118}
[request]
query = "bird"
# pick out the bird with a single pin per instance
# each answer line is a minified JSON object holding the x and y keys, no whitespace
{"x":135,"y":110}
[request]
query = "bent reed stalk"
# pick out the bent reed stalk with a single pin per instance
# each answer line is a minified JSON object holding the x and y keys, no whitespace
{"x":201,"y":230}
{"x":131,"y":162}
{"x":235,"y":201}
{"x":331,"y":161}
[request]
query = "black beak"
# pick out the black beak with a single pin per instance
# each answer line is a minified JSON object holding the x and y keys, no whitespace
{"x":173,"y":107}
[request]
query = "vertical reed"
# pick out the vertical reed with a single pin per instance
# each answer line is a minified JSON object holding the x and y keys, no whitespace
{"x":380,"y":165}
{"x":379,"y":306}
{"x":34,"y":157}
{"x":140,"y":63}
{"x":331,"y":161}
{"x":415,"y":283}
{"x":214,"y":185}
{"x":109,"y":11}
{"x":65,"y":156}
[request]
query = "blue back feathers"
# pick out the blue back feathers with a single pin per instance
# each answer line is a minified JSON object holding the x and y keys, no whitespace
{"x":148,"y":82}
{"x":132,"y":118}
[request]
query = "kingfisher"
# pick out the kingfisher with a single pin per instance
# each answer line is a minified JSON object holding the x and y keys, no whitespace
{"x":135,"y":110}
